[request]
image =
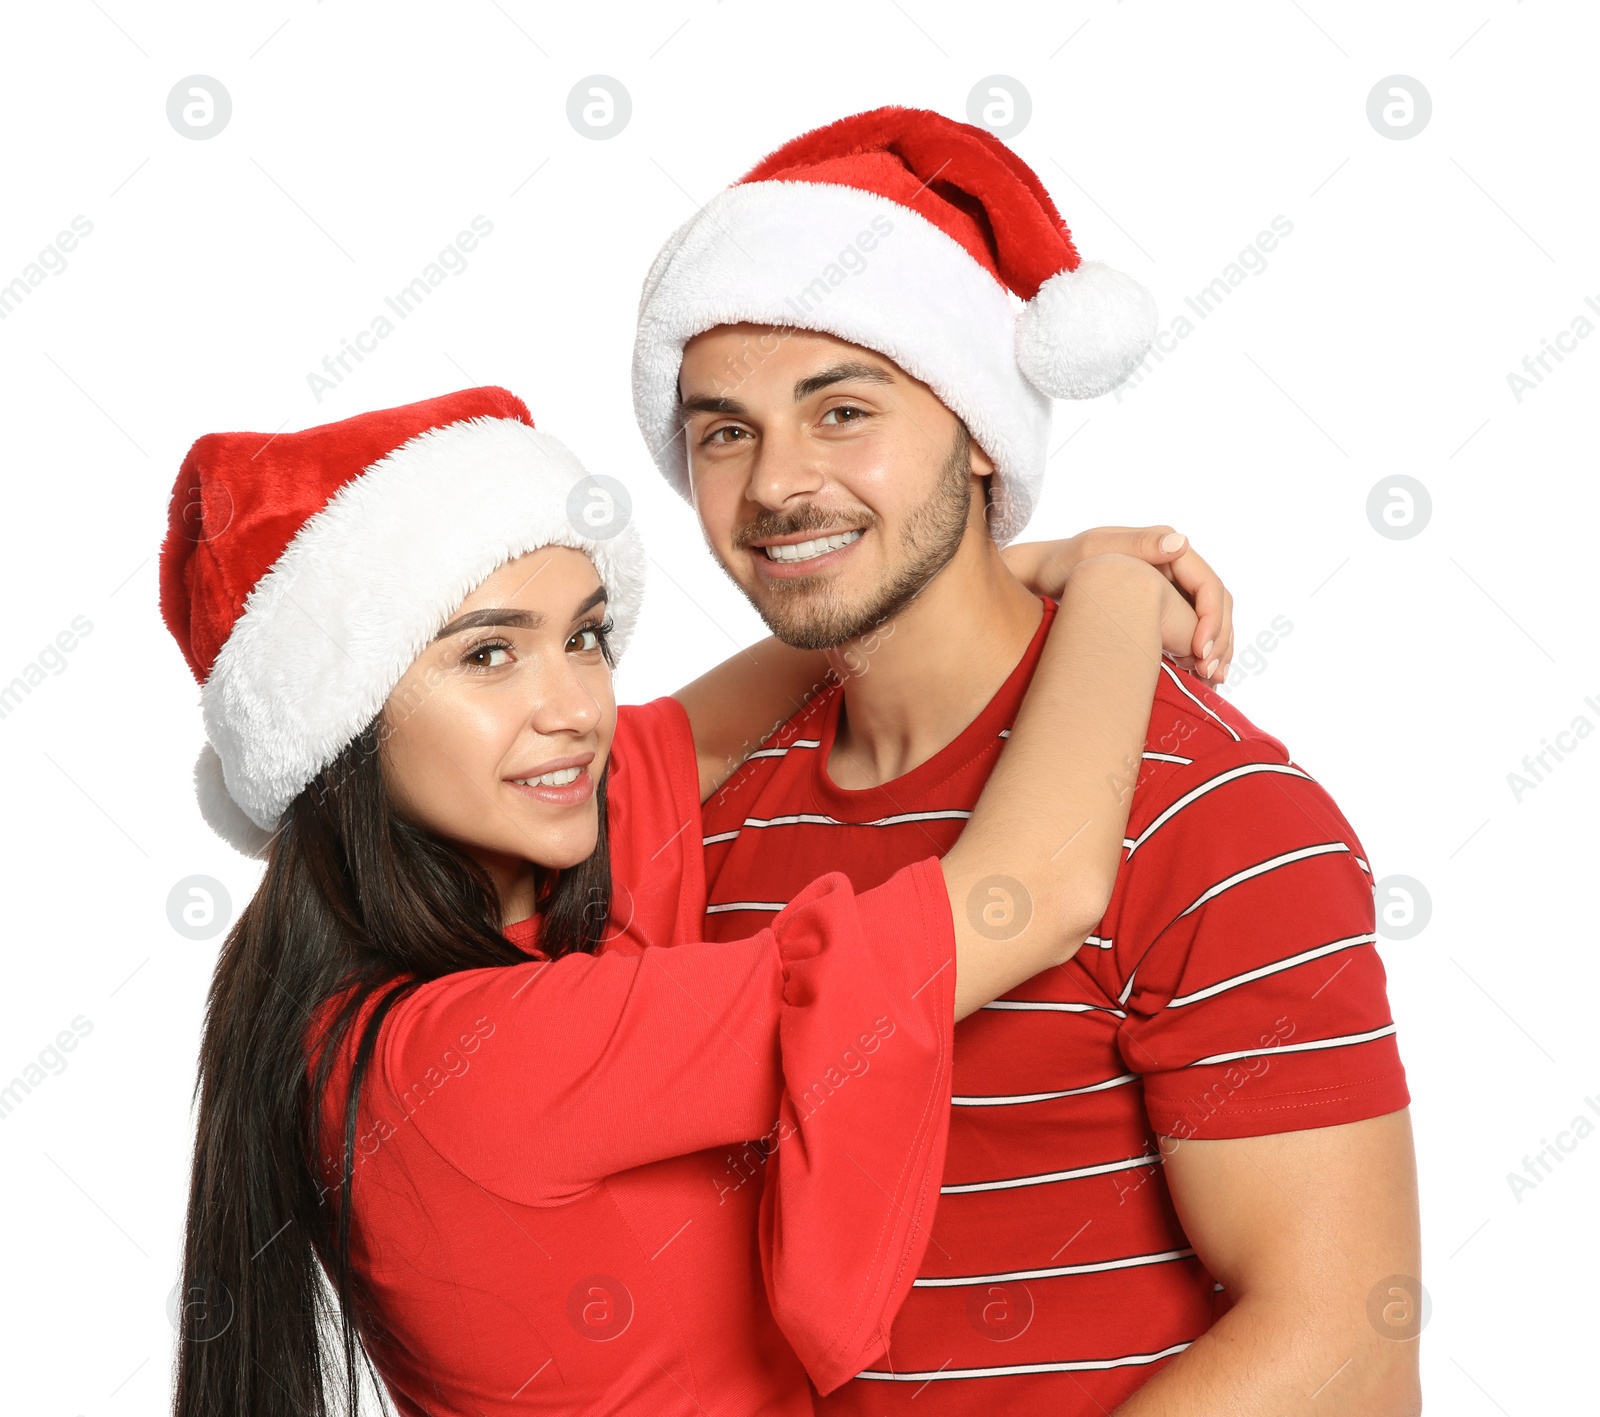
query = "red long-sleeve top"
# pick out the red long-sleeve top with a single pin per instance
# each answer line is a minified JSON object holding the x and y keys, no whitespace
{"x":671,"y":1177}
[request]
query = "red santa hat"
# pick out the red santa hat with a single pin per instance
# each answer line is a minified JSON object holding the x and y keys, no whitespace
{"x":303,"y":573}
{"x":927,"y":240}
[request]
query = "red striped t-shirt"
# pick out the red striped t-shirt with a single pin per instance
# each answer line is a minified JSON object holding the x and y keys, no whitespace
{"x":1233,"y":989}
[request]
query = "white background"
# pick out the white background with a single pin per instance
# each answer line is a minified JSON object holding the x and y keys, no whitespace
{"x":1377,"y":341}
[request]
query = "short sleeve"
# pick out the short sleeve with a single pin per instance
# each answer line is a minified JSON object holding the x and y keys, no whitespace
{"x":1243,"y":934}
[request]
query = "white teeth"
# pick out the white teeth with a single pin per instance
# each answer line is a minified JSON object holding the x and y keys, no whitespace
{"x":559,"y":778}
{"x":805,"y":550}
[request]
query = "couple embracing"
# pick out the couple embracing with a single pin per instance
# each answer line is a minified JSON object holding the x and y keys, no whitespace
{"x":950,"y":1000}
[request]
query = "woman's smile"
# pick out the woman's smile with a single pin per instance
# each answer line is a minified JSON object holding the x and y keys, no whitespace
{"x":565,"y":783}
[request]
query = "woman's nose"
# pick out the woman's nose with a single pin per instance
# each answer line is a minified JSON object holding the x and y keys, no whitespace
{"x":566,"y":703}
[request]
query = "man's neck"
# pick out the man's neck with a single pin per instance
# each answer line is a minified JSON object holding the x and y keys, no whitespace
{"x":914,"y":684}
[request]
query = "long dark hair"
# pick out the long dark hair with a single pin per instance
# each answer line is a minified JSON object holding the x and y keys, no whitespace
{"x":357,"y":903}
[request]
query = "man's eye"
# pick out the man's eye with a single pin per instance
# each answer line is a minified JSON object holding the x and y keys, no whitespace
{"x":733,"y":434}
{"x":845,"y":414}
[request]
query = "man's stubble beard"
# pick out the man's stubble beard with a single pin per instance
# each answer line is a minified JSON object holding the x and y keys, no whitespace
{"x":811,"y":614}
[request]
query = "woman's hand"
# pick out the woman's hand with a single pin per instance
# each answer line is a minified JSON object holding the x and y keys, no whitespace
{"x":1044,"y":566}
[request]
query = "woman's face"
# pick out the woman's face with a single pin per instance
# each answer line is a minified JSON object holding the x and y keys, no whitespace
{"x":496,"y":737}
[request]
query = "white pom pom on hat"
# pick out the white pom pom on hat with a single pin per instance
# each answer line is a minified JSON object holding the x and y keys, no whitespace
{"x":919,"y":237}
{"x":1085,"y":331}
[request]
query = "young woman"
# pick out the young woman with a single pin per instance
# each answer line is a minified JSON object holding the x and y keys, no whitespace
{"x":465,"y":1055}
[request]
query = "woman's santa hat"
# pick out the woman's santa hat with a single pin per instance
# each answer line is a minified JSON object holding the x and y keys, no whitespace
{"x":303,"y":573}
{"x":907,"y":233}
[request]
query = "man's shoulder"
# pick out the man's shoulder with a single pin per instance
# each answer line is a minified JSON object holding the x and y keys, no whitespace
{"x":1208,"y":770}
{"x":1190,"y":720}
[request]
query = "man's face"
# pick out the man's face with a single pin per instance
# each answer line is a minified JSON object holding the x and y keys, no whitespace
{"x":831,"y":485}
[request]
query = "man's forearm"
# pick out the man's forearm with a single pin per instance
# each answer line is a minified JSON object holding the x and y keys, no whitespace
{"x":1281,"y":1358}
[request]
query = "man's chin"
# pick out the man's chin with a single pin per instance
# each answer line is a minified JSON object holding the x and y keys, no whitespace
{"x":817,"y":617}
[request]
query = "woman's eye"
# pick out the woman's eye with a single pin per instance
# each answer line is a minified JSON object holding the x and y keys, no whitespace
{"x":592,"y":639}
{"x":845,"y":414}
{"x":490,"y":656}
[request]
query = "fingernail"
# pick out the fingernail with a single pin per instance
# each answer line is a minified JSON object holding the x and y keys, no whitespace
{"x":1173,"y":541}
{"x":1206,"y":652}
{"x":1211,"y":668}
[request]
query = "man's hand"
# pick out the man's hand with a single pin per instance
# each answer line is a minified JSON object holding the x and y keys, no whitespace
{"x":1044,"y":566}
{"x":1315,"y":1235}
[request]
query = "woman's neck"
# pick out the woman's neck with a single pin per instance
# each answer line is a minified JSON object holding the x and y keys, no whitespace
{"x":515,"y":883}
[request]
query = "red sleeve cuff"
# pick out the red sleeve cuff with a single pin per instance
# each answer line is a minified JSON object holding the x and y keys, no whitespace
{"x":867,"y":1043}
{"x":1297,"y":1093}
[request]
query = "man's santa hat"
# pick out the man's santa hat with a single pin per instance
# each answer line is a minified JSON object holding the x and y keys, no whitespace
{"x":303,"y":573}
{"x":924,"y":239}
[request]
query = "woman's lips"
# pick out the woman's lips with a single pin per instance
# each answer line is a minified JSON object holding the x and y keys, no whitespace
{"x":571,"y":794}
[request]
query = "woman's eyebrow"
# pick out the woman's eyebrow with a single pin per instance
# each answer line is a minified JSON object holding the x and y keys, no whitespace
{"x":477,"y":619}
{"x":514,"y":619}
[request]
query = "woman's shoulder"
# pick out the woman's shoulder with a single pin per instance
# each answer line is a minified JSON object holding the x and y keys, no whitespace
{"x":654,"y":775}
{"x":657,"y":732}
{"x":653,"y":807}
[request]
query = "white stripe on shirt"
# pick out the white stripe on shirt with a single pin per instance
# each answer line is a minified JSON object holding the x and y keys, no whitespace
{"x":784,"y":752}
{"x":1276,"y":967}
{"x":1172,"y":675}
{"x":1054,"y":1271}
{"x":1052,"y":1006}
{"x":1348,"y":1040}
{"x":1273,"y":863}
{"x":1232,"y":774}
{"x":816,"y":819}
{"x":1011,"y":1183}
{"x":1008,"y":1100}
{"x":1081,"y":1365}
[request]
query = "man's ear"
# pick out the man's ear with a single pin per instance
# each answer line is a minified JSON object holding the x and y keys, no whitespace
{"x":981,"y":466}
{"x":981,"y":463}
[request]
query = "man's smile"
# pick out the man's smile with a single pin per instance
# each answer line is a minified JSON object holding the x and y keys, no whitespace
{"x":808,"y":550}
{"x":785,"y":558}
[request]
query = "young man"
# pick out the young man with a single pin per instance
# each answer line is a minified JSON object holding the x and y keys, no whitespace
{"x":1180,"y":1175}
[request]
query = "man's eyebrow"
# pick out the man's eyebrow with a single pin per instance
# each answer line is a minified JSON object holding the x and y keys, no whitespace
{"x":513,"y":619}
{"x":851,"y":370}
{"x":707,"y":403}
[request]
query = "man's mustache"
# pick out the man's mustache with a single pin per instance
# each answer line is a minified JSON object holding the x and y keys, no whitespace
{"x":802,"y":520}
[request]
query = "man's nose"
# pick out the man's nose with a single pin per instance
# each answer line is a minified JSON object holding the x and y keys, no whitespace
{"x":786,"y":466}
